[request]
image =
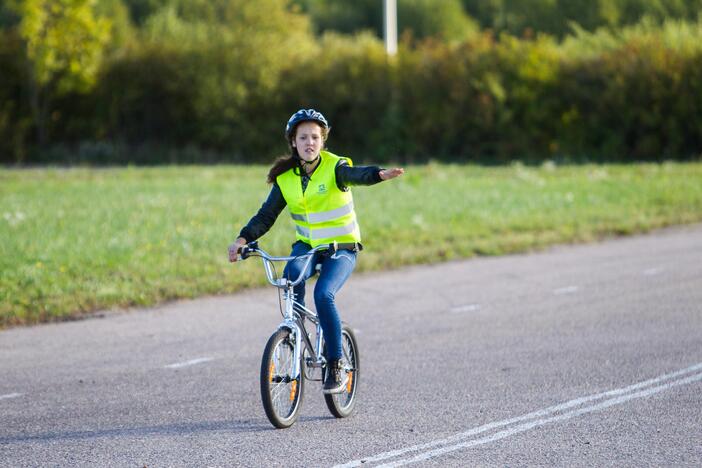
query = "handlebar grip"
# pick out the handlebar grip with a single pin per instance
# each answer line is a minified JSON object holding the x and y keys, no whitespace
{"x":245,"y":251}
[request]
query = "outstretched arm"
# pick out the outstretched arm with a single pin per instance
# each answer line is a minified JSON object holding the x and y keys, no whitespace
{"x":347,"y":176}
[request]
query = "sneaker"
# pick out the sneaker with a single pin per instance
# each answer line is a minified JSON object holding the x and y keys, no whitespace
{"x":335,"y":378}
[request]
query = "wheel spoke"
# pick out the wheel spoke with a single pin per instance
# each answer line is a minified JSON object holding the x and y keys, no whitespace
{"x":283,"y":390}
{"x":345,"y":398}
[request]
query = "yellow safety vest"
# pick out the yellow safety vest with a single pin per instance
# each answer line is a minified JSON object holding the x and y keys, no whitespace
{"x":323,"y":213}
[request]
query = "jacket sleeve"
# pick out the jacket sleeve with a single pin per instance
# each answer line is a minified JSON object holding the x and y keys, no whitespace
{"x":266,"y":216}
{"x":347,"y":176}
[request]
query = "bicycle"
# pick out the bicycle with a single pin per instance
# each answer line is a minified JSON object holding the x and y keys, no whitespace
{"x":292,"y":356}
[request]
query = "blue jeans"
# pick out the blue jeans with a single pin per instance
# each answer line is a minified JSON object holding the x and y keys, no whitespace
{"x":336,"y":269}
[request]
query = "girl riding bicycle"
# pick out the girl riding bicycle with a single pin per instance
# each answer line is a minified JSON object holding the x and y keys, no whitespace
{"x":314,"y":184}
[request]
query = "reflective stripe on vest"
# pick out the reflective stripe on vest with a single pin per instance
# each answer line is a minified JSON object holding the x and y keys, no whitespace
{"x":327,"y":232}
{"x":323,"y":213}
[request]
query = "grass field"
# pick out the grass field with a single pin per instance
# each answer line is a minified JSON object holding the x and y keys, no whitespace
{"x":73,"y":241}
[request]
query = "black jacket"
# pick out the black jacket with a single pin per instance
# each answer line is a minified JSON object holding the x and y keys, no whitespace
{"x":346,"y":176}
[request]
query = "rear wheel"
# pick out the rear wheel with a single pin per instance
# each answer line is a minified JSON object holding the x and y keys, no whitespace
{"x":341,"y":404}
{"x":281,"y":392}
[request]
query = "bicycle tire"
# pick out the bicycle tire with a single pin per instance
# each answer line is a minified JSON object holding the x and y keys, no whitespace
{"x":281,"y":395}
{"x":341,"y":405}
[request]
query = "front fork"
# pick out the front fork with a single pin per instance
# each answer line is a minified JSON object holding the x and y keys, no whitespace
{"x":294,"y":324}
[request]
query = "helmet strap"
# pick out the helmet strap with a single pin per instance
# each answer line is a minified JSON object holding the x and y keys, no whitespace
{"x":301,"y":161}
{"x":309,"y":163}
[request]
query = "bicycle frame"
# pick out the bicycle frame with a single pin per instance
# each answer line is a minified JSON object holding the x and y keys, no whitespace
{"x":294,"y":313}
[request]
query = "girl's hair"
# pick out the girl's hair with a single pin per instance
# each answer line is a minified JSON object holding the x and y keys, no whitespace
{"x":290,"y":161}
{"x":282,"y":164}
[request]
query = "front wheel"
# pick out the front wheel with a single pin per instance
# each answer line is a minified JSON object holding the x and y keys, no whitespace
{"x":281,"y":392}
{"x":341,"y":404}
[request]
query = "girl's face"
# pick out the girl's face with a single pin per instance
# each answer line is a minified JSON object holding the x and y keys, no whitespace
{"x":308,"y":140}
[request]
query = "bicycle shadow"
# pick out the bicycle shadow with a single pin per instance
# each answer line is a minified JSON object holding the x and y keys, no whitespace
{"x":233,"y":427}
{"x":230,"y":427}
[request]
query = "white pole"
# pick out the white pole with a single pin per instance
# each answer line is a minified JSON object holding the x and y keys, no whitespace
{"x":390,"y":29}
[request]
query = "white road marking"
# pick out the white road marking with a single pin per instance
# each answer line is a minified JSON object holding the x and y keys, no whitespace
{"x":464,"y":439}
{"x":465,"y":308}
{"x":10,"y":395}
{"x":566,"y":290}
{"x":541,"y":422}
{"x":192,"y":362}
{"x":651,"y":271}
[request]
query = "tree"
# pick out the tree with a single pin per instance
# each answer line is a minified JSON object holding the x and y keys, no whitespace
{"x":427,"y":18}
{"x":140,"y":10}
{"x":64,"y":42}
{"x":557,"y":17}
{"x":206,"y":72}
{"x":424,"y":18}
{"x":343,"y":16}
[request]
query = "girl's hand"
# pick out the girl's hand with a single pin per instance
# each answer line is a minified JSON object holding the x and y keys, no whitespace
{"x":387,"y":174}
{"x":234,"y":249}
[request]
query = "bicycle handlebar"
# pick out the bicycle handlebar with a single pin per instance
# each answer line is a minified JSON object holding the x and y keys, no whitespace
{"x":252,"y":249}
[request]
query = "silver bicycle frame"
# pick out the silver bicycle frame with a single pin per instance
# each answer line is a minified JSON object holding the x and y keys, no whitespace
{"x":291,"y":321}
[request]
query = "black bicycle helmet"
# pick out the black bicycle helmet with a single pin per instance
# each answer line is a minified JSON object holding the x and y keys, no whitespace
{"x":304,"y":115}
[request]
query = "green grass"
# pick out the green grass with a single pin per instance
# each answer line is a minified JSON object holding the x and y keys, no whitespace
{"x":73,"y":241}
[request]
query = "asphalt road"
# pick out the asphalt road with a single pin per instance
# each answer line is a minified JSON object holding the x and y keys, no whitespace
{"x":578,"y":356}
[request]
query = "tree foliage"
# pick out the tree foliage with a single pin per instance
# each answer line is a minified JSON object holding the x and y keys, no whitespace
{"x":63,"y":42}
{"x":418,"y":18}
{"x":214,"y":80}
{"x":557,"y":17}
